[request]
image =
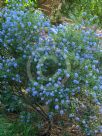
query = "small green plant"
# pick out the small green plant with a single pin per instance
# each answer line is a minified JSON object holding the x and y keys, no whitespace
{"x":23,"y":129}
{"x":4,"y":126}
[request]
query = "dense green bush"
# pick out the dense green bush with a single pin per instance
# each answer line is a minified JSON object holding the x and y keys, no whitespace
{"x":56,"y":66}
{"x":75,"y":8}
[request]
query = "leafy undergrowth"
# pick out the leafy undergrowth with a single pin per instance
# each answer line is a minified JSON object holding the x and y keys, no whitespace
{"x":62,"y":126}
{"x":9,"y":126}
{"x":4,"y":126}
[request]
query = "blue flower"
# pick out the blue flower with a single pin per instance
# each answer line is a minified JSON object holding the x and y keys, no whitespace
{"x":56,"y":85}
{"x":54,"y":30}
{"x":73,"y":43}
{"x":78,"y":88}
{"x":29,"y":24}
{"x":13,"y":78}
{"x":64,"y":40}
{"x":61,"y":112}
{"x":56,"y":107}
{"x":8,"y":70}
{"x":52,"y":94}
{"x":67,"y":75}
{"x":75,"y":81}
{"x":59,"y":71}
{"x":5,"y":76}
{"x":1,"y":66}
{"x":95,"y":88}
{"x":33,"y":89}
{"x":86,"y":82}
{"x":100,"y":110}
{"x":1,"y":41}
{"x":95,"y":61}
{"x":86,"y":67}
{"x":93,"y":67}
{"x":48,"y":102}
{"x":47,"y":94}
{"x":47,"y":24}
{"x":15,"y":65}
{"x":34,"y":93}
{"x":62,"y":101}
{"x":77,"y":119}
{"x":100,"y":87}
{"x":35,"y":83}
{"x":42,"y":87}
{"x":59,"y":78}
{"x":76,"y":75}
{"x":56,"y":100}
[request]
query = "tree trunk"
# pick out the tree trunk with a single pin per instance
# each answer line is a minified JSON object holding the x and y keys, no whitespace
{"x":48,"y":6}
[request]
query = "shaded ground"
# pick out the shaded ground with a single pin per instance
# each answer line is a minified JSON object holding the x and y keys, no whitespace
{"x":56,"y":130}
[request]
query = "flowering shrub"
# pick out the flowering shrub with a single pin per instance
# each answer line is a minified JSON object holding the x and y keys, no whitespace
{"x":57,"y":66}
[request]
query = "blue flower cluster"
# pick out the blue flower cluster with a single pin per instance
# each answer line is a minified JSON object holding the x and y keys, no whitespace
{"x":54,"y":64}
{"x":9,"y":69}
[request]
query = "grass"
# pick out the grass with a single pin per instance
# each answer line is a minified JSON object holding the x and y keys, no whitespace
{"x":4,"y":126}
{"x":15,"y":128}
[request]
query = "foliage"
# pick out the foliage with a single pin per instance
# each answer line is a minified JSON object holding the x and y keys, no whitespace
{"x":17,"y":127}
{"x":72,"y":9}
{"x":11,"y":102}
{"x":77,"y":7}
{"x":56,"y":66}
{"x":26,"y":125}
{"x":4,"y":126}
